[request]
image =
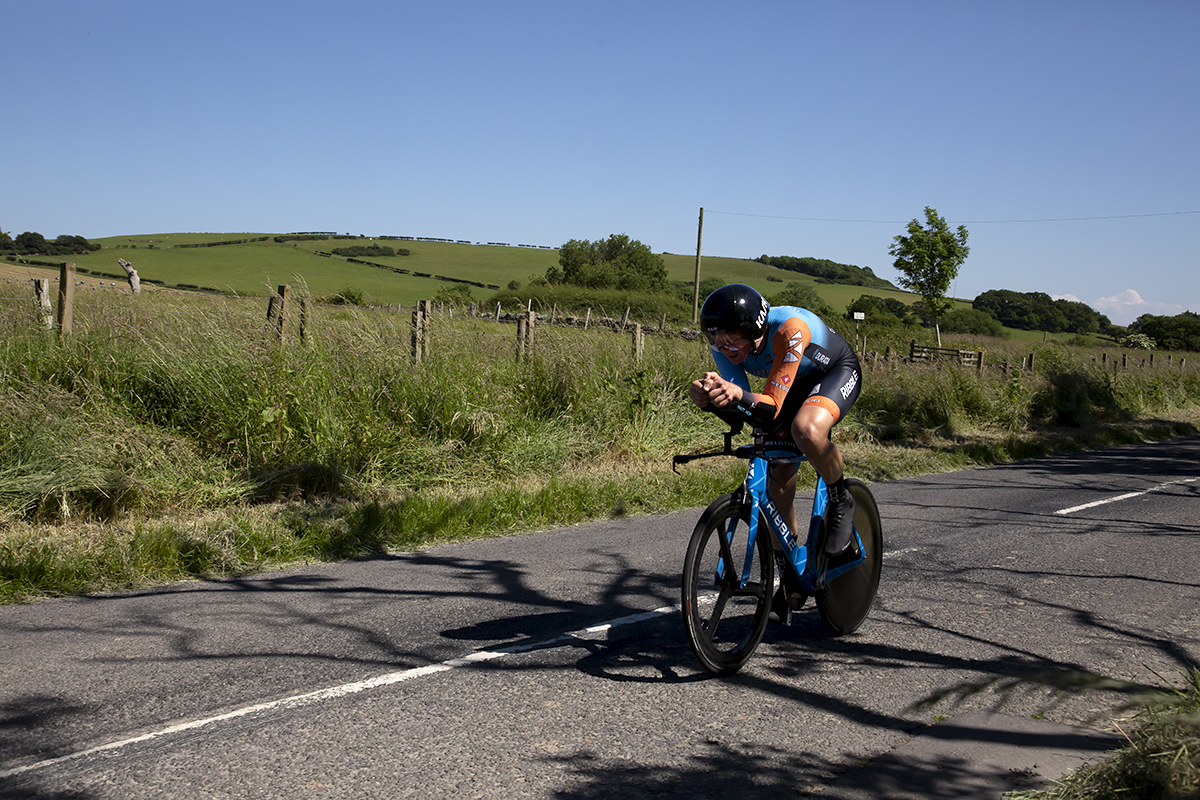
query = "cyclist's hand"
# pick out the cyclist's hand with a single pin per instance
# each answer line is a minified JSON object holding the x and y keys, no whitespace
{"x":716,"y":390}
{"x":699,"y":390}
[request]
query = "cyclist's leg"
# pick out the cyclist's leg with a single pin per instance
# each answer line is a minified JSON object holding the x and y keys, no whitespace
{"x":812,"y":425}
{"x":781,"y":486}
{"x":811,"y":428}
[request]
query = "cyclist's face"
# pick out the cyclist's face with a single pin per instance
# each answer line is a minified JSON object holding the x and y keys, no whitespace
{"x":735,"y":346}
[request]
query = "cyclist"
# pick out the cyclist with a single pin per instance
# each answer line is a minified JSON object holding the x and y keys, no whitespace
{"x":812,"y":378}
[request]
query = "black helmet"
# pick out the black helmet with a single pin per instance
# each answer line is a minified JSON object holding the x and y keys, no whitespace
{"x":735,"y":306}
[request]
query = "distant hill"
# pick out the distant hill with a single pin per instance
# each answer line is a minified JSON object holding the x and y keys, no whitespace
{"x":255,"y":264}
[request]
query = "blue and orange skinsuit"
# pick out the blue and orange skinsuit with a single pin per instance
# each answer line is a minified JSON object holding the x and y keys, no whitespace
{"x":803,"y":362}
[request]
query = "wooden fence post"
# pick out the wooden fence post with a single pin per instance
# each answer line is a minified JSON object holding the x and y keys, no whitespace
{"x":638,"y":343}
{"x":587,"y":320}
{"x":416,"y":333}
{"x":497,"y":312}
{"x":530,"y":324}
{"x":625,"y":319}
{"x":420,"y":330}
{"x":277,"y":312}
{"x":979,"y":354}
{"x":521,"y":323}
{"x":66,"y":299}
{"x":304,"y":320}
{"x":135,"y":283}
{"x":41,"y":297}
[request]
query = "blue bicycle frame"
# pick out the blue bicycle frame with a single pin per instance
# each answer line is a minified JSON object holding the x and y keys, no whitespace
{"x":753,"y":493}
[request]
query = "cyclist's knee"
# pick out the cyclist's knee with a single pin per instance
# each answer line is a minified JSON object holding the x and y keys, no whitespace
{"x":812,"y":429}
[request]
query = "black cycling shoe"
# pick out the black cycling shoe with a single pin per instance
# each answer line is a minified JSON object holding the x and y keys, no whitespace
{"x":840,"y":534}
{"x":847,"y":556}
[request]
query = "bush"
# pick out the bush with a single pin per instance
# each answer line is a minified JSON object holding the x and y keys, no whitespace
{"x":368,"y":251}
{"x":886,"y":312}
{"x":349,"y":296}
{"x":576,"y":301}
{"x":614,"y":263}
{"x":970,"y":320}
{"x":1137,"y":341}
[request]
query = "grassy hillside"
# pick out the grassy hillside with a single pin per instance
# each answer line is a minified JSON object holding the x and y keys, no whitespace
{"x":258,"y":266}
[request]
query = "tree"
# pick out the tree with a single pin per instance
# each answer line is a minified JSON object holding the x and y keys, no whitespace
{"x":1036,"y":311}
{"x":928,"y":260}
{"x":617,"y":262}
{"x":887,"y":312}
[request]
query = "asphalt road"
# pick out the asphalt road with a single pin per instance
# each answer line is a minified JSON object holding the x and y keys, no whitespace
{"x":553,"y":665}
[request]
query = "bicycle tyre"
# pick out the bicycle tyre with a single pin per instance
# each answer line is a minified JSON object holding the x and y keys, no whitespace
{"x":725,"y":622}
{"x":846,"y":600}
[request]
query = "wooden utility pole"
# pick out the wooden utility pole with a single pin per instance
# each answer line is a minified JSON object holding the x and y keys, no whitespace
{"x":696,"y":287}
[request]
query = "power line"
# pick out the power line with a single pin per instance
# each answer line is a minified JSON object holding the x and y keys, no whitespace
{"x":964,"y":222}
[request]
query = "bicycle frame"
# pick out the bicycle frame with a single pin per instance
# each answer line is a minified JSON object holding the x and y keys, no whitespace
{"x":806,"y":561}
{"x":727,"y":601}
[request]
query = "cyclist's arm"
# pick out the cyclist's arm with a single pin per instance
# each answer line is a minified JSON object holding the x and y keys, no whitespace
{"x":788,"y":344}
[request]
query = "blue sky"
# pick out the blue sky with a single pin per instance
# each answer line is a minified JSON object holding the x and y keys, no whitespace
{"x":1063,"y":134}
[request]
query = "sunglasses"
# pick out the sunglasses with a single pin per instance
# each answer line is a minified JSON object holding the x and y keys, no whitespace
{"x":729,"y":345}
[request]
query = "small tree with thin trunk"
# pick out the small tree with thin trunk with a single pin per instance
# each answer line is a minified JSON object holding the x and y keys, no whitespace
{"x":928,"y":259}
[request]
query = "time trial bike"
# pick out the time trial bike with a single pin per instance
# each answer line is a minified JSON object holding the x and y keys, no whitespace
{"x":729,"y":572}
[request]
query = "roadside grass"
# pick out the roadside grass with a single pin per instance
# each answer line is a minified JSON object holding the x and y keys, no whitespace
{"x":172,"y":407}
{"x":170,"y":439}
{"x":1161,"y":757}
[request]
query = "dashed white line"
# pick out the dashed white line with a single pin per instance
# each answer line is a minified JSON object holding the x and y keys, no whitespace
{"x":1120,"y":497}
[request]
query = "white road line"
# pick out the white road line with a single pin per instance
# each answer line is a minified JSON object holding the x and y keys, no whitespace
{"x":333,"y":692}
{"x":891,"y":553}
{"x":1121,"y":497}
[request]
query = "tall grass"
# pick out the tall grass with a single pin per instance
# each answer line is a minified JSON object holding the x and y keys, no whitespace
{"x":164,"y":426}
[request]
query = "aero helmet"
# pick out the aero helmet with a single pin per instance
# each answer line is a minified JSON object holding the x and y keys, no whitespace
{"x":735,"y":306}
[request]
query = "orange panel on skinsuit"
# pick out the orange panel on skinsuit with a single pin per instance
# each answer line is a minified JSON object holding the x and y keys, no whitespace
{"x":825,"y":403}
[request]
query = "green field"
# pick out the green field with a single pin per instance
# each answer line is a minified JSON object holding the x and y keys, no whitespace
{"x":256,"y":268}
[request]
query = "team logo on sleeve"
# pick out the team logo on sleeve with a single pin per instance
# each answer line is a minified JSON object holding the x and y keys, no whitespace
{"x":795,"y":348}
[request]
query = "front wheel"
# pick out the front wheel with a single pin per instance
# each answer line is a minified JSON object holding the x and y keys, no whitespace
{"x":727,"y":585}
{"x":847,"y":599}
